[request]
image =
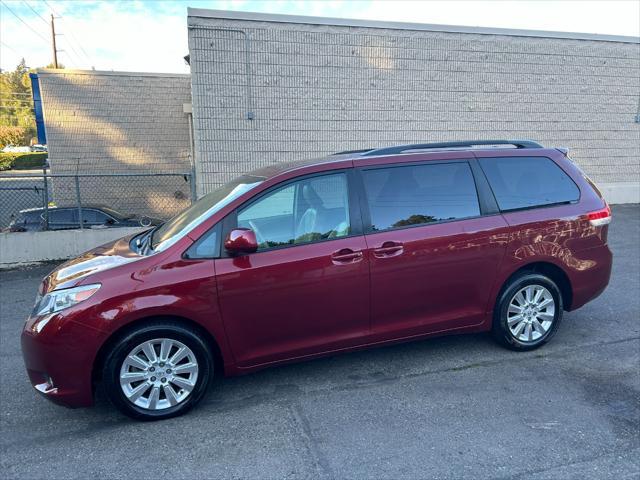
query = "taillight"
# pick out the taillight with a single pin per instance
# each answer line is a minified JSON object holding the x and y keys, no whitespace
{"x":600,"y":217}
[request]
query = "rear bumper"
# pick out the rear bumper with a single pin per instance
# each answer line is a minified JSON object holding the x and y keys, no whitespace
{"x":59,"y":359}
{"x":590,"y":274}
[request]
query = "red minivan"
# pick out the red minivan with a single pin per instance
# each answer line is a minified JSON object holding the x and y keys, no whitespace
{"x":299,"y":260}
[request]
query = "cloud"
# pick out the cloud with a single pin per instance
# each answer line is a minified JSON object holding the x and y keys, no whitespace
{"x":149,"y":35}
{"x":115,"y":36}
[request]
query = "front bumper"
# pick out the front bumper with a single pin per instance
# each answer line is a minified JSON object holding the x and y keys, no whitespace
{"x":59,"y":358}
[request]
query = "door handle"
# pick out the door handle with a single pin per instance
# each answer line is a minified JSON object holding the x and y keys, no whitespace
{"x":346,"y":255}
{"x":388,"y":249}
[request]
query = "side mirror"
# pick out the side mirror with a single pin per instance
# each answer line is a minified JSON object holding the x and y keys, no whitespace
{"x":241,"y":240}
{"x":110,"y":221}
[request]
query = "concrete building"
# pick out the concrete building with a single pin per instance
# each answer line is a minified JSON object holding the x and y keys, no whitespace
{"x":118,"y":122}
{"x":271,"y":88}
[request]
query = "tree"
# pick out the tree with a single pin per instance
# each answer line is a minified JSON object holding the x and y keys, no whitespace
{"x":11,"y":135}
{"x":16,"y":103}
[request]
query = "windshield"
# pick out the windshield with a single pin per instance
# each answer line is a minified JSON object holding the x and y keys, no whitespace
{"x":174,"y":229}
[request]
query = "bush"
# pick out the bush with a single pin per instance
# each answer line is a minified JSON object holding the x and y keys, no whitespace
{"x":22,"y":161}
{"x":13,"y":136}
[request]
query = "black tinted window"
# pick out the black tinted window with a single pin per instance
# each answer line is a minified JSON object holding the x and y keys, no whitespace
{"x":89,"y":216}
{"x":94,"y":216}
{"x":521,"y":182}
{"x":31,"y":217}
{"x":414,"y":195}
{"x":63,"y":216}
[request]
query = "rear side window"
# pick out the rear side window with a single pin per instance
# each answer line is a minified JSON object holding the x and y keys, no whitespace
{"x":420,"y":194}
{"x":524,"y":182}
{"x":64,"y":215}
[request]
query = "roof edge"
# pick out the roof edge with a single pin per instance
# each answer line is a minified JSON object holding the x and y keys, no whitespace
{"x":63,"y":71}
{"x":349,"y":22}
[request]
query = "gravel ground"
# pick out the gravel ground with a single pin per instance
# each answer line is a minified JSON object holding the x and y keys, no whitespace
{"x":455,"y":407}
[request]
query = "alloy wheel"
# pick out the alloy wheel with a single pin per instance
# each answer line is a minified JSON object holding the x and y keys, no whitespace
{"x":159,"y":374}
{"x":531,"y":313}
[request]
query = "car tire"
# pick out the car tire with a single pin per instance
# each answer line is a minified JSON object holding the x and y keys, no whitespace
{"x":528,"y":312}
{"x":157,"y":371}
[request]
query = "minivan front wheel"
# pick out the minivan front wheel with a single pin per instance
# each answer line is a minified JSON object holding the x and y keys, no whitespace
{"x":528,"y":312}
{"x":157,"y":371}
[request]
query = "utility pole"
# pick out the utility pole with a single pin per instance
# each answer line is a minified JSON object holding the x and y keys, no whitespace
{"x":53,"y":43}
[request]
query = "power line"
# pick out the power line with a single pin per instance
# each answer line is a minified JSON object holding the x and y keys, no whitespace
{"x":16,"y":107}
{"x":71,"y":60}
{"x":25,"y":23}
{"x":14,"y":99}
{"x":54,"y":12}
{"x":77,"y":55}
{"x":78,"y":43}
{"x":34,"y":11}
{"x":10,"y":48}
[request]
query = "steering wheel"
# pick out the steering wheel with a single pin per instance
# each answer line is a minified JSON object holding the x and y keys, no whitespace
{"x":259,"y":237}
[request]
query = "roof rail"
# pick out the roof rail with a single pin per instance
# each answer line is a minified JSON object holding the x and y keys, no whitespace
{"x":346,"y":152}
{"x":444,"y":145}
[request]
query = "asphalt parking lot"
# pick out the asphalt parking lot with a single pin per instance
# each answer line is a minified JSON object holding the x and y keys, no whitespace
{"x":455,"y":407}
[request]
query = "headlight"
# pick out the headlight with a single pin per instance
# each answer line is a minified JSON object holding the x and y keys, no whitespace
{"x":58,"y":300}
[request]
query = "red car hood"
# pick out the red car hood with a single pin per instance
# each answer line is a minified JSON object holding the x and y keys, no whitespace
{"x":102,"y":258}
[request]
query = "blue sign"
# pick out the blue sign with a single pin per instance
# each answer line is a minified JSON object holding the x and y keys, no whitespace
{"x":37,"y":107}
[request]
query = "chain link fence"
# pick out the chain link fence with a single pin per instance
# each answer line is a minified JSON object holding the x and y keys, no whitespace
{"x":61,"y":201}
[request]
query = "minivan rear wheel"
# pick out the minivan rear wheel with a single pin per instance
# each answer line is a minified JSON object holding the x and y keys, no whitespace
{"x":157,"y":371}
{"x":528,"y":312}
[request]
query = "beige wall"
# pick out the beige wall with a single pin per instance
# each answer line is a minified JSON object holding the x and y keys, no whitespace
{"x":317,"y":89}
{"x":118,"y":122}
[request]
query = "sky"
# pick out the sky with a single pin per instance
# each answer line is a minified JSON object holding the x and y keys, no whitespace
{"x":151,"y":35}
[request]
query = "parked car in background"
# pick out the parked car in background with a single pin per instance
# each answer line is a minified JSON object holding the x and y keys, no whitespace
{"x":15,"y":149}
{"x":66,"y":218}
{"x":298,"y":260}
{"x":39,"y":148}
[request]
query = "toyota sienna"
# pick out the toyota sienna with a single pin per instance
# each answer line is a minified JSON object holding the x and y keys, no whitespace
{"x":305,"y":259}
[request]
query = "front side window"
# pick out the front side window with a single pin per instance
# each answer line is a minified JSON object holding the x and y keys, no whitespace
{"x":206,"y":246}
{"x":94,"y":217}
{"x":101,"y":217}
{"x":524,"y":182}
{"x":420,"y":194}
{"x":308,"y":210}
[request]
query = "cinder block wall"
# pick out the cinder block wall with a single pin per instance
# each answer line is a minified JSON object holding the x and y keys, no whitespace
{"x":317,"y":89}
{"x":118,"y":122}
